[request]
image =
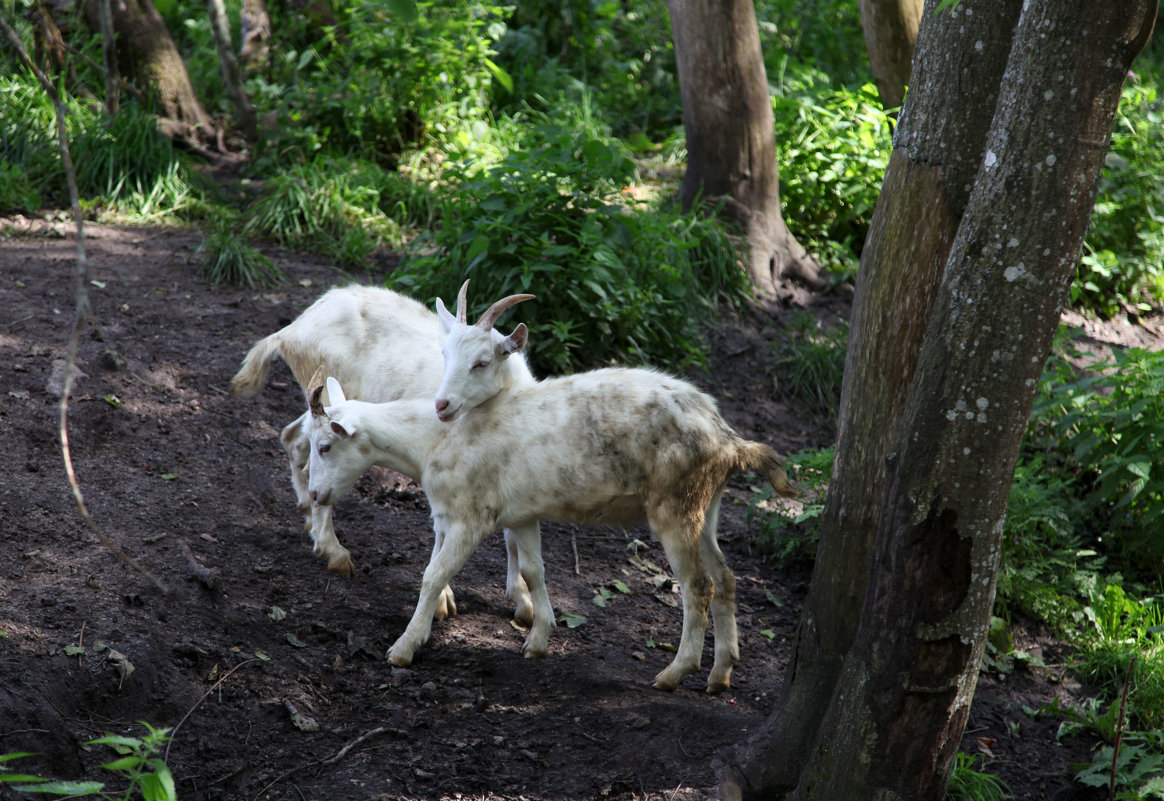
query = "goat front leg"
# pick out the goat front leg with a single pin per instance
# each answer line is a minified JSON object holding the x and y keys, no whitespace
{"x":458,"y":543}
{"x":325,"y":544}
{"x":527,"y":543}
{"x":516,"y":587}
{"x":298,"y":447}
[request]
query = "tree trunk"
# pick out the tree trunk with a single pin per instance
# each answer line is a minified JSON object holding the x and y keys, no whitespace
{"x":231,"y":78}
{"x":939,"y":380}
{"x":890,"y":28}
{"x":727,"y":115}
{"x":109,"y":53}
{"x":922,"y":201}
{"x":146,"y":52}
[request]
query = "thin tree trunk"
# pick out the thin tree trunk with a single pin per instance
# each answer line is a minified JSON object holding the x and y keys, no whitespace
{"x":109,"y":51}
{"x":946,"y":456}
{"x":731,"y":146}
{"x":230,"y":72}
{"x":890,"y":28}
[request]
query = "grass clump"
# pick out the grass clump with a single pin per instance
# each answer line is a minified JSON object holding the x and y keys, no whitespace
{"x":810,"y":362}
{"x":227,"y":259}
{"x":968,"y":783}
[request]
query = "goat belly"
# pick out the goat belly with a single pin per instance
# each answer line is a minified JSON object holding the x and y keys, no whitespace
{"x":626,"y":510}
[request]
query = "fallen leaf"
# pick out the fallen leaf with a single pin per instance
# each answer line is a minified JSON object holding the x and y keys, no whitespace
{"x":571,"y":620}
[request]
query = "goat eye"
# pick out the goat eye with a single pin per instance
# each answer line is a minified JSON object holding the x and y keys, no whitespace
{"x":480,"y":364}
{"x":324,"y":448}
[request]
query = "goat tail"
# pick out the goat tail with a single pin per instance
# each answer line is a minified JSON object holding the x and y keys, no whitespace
{"x":762,"y":459}
{"x":253,"y":374}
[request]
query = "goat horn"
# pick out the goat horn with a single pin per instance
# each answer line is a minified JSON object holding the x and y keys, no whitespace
{"x":461,"y":301}
{"x":497,"y":309}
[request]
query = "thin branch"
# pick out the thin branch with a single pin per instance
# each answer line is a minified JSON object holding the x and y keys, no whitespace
{"x":82,"y":304}
{"x":1119,"y":735}
{"x":225,"y":676}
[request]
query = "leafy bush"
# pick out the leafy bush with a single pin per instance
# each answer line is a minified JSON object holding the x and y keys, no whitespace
{"x":1139,"y":768}
{"x":1106,"y":428}
{"x":1123,"y":260}
{"x":614,"y":284}
{"x":419,"y":81}
{"x":833,"y":149}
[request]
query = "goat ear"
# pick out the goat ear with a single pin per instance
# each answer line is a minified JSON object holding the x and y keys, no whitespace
{"x":339,"y":430}
{"x":514,"y":342}
{"x":444,"y":316}
{"x":315,"y":402}
{"x":335,"y":392}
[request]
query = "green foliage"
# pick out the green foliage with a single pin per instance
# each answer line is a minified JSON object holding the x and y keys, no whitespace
{"x":1107,"y":428}
{"x":124,"y":163}
{"x":1124,"y":628}
{"x":617,"y":56}
{"x":820,"y":36}
{"x":418,"y":82}
{"x":614,"y":284}
{"x":1139,"y":768}
{"x":810,"y":362}
{"x":968,"y":783}
{"x":138,"y":763}
{"x":226,"y":259}
{"x":1123,"y":261}
{"x":833,"y":148}
{"x":788,"y":531}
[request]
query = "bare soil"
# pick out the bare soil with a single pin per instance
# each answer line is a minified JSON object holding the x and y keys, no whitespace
{"x":270,"y":670}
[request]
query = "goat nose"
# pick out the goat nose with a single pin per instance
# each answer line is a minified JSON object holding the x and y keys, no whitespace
{"x":441,"y":405}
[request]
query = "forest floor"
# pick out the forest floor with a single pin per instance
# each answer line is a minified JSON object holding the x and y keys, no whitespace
{"x":267,"y":667}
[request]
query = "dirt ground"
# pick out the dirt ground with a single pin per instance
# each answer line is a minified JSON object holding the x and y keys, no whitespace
{"x":270,"y":670}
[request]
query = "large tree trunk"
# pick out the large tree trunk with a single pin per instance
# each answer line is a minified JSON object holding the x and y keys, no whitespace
{"x":890,"y":28}
{"x":146,"y":52}
{"x":939,"y":378}
{"x":731,"y":151}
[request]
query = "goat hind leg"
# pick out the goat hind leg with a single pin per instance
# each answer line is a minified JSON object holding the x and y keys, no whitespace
{"x":680,"y":542}
{"x":516,"y":587}
{"x":723,"y":604}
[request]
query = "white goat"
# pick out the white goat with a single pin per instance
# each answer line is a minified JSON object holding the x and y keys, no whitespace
{"x":383,"y":346}
{"x":614,"y":446}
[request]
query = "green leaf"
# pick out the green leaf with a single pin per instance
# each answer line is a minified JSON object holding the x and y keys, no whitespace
{"x":159,"y":785}
{"x":405,"y":10}
{"x":621,"y":587}
{"x":125,"y":763}
{"x":571,"y":620}
{"x":501,"y":75}
{"x":70,"y":789}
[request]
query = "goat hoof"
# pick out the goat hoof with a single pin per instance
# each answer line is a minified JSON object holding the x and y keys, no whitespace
{"x":399,"y":656}
{"x":534,"y":650}
{"x":523,"y":613}
{"x":717,"y":685}
{"x":668,"y":679}
{"x":446,"y":605}
{"x":342,"y":565}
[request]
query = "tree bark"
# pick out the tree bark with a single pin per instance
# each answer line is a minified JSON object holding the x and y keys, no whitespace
{"x":147,"y":52}
{"x":890,"y":28}
{"x":939,"y":379}
{"x":109,"y":52}
{"x":727,"y":115}
{"x":231,"y":78}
